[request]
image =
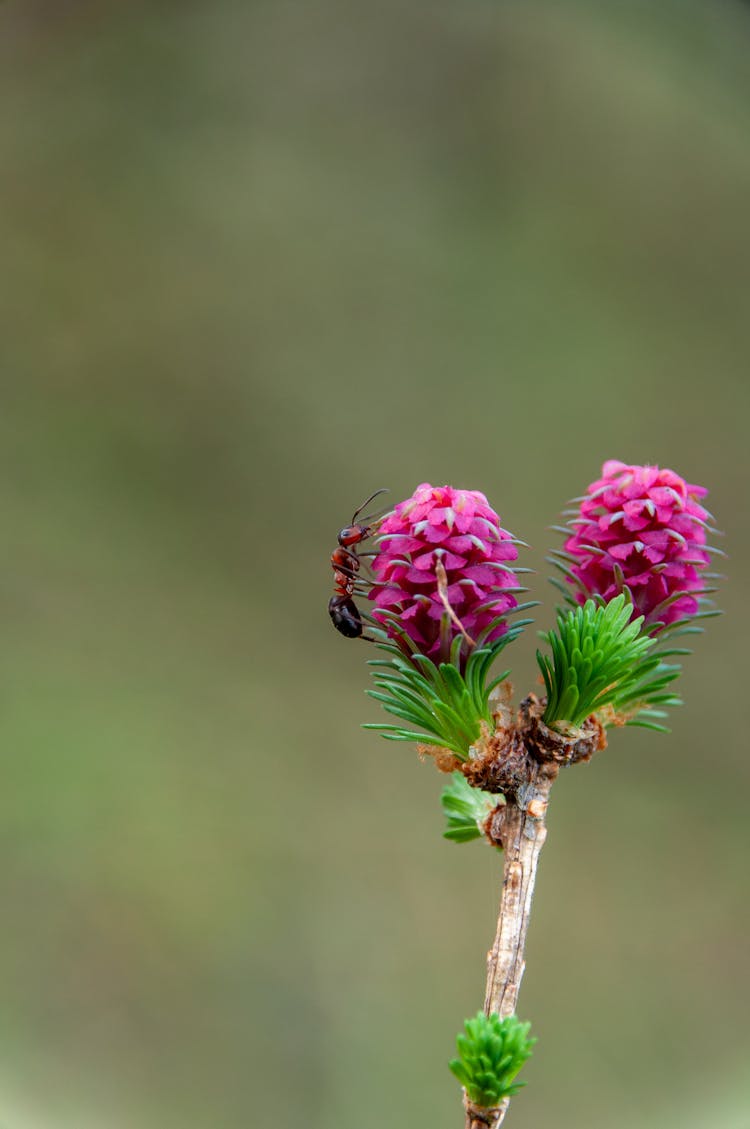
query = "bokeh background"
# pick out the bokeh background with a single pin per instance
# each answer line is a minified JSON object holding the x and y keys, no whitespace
{"x":259,"y":259}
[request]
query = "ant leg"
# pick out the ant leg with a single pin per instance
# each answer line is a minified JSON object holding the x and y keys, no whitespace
{"x":360,"y":593}
{"x":359,"y":585}
{"x":371,"y":622}
{"x":368,"y":638}
{"x":354,"y":557}
{"x":350,"y":570}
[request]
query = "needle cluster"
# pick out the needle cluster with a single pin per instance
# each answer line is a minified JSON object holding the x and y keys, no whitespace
{"x":446,"y":704}
{"x":491,"y":1053}
{"x":601,"y":665}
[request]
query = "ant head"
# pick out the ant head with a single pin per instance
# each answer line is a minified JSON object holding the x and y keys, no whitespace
{"x":352,"y":534}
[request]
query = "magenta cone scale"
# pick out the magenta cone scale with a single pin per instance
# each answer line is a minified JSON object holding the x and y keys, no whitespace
{"x":460,"y":530}
{"x":643,"y":529}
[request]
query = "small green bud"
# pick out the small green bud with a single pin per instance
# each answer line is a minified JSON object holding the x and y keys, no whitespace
{"x":491,"y":1053}
{"x":465,"y":809}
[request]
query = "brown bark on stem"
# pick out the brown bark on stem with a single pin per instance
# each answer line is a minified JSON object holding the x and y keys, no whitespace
{"x":520,"y":760}
{"x":522,"y":832}
{"x":479,"y":1118}
{"x":520,"y":825}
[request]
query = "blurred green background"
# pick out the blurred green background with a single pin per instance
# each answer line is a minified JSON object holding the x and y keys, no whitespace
{"x":259,"y":259}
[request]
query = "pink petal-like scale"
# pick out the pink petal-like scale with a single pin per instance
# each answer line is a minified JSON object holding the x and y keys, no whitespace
{"x":643,"y":528}
{"x":459,"y":529}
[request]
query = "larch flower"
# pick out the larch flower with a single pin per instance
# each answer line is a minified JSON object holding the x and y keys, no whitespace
{"x":639,"y":529}
{"x":444,"y":568}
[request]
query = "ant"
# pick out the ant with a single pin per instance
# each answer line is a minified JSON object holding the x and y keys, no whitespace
{"x":345,"y":561}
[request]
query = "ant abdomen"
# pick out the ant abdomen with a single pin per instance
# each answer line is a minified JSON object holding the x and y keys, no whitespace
{"x":345,"y":616}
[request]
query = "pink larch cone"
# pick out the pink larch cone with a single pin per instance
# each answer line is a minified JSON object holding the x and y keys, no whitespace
{"x":459,"y":530}
{"x":642,"y":529}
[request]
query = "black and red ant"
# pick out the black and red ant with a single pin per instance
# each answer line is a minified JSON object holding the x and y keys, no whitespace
{"x":345,"y":561}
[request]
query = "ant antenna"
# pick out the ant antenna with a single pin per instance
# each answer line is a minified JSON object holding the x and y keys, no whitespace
{"x":355,"y":515}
